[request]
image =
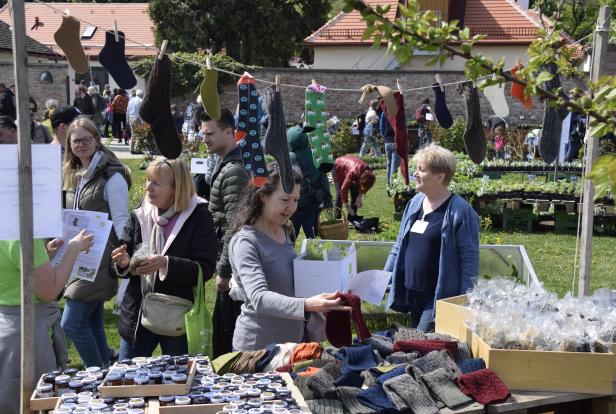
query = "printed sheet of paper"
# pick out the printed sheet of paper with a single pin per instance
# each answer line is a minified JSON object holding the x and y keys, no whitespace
{"x":86,"y":266}
{"x":198,"y":165}
{"x":370,"y":285}
{"x":46,"y":191}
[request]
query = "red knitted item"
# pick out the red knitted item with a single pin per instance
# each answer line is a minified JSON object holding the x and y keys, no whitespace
{"x":483,"y":386}
{"x":338,"y":323}
{"x":517,"y":91}
{"x":398,"y":123}
{"x":285,"y":368}
{"x":427,"y":346}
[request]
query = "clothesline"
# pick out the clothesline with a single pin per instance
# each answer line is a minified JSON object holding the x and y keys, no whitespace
{"x":269,"y":82}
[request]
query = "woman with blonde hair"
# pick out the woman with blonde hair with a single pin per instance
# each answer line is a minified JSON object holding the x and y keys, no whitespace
{"x":94,"y":180}
{"x":177,"y":229}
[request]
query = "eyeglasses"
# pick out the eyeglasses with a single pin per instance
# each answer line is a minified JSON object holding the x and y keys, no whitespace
{"x":83,"y":141}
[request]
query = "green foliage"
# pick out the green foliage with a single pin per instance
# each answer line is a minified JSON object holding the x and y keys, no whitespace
{"x":343,"y":142}
{"x":452,"y":138}
{"x":603,"y":175}
{"x":316,"y":249}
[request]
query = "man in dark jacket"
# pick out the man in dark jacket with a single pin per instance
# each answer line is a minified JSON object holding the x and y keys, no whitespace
{"x":7,"y":102}
{"x":314,"y":191}
{"x":228,"y":181}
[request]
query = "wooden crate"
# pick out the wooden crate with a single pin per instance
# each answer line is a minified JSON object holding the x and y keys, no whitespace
{"x":548,"y":370}
{"x":451,"y":315}
{"x":148,"y":408}
{"x":42,"y":404}
{"x":150,"y":390}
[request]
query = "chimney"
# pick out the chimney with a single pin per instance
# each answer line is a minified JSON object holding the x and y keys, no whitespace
{"x":457,"y":10}
{"x":524,"y":4}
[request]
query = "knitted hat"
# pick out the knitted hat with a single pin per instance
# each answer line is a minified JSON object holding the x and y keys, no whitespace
{"x":432,"y":361}
{"x":464,"y":352}
{"x":402,"y":357}
{"x":483,"y":386}
{"x":281,"y":357}
{"x":442,"y":383}
{"x":375,"y":398}
{"x":338,"y":323}
{"x":322,"y":382}
{"x":383,"y":345}
{"x":266,"y":358}
{"x":408,"y":334}
{"x":406,"y":393}
{"x":348,"y":398}
{"x":329,"y":406}
{"x":285,"y":368}
{"x":427,"y":346}
{"x":357,"y":358}
{"x":306,"y":351}
{"x":350,"y":379}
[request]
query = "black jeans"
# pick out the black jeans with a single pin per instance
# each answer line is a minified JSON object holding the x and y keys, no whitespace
{"x":119,"y":125}
{"x":353,"y":193}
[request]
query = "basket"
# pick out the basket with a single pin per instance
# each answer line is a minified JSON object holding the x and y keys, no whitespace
{"x":336,"y":231}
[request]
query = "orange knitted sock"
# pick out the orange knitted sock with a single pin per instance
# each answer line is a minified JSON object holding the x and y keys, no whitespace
{"x":517,"y":91}
{"x":67,"y":37}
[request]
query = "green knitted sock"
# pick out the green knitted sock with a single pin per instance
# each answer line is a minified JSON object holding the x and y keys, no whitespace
{"x":209,"y":93}
{"x":316,"y":117}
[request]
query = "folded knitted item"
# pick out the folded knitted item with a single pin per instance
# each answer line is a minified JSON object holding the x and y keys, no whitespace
{"x":383,"y":369}
{"x":285,"y":368}
{"x":408,"y":334}
{"x":432,"y":361}
{"x":350,"y":379}
{"x":405,"y":393}
{"x":471,"y":365}
{"x":483,"y":386}
{"x":266,"y":358}
{"x":223,"y":363}
{"x":357,"y":358}
{"x":319,"y":363}
{"x":442,"y":383}
{"x":440,"y":337}
{"x":282,"y":356}
{"x":348,"y":398}
{"x":310,"y":371}
{"x":328,"y":406}
{"x":298,"y":366}
{"x":306,"y":351}
{"x":383,"y":345}
{"x":247,"y":362}
{"x":338,"y":323}
{"x":370,"y":377}
{"x":464,"y":352}
{"x":402,"y":357}
{"x":301,"y":384}
{"x":331,"y":353}
{"x":427,"y":346}
{"x":376,"y":399}
{"x":399,"y":370}
{"x":322,"y":382}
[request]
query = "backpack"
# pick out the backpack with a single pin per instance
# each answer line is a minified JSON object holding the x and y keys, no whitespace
{"x":420,"y":115}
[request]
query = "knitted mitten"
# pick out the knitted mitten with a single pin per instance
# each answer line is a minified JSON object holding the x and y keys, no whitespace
{"x":474,"y":137}
{"x":67,"y":37}
{"x":276,"y":137}
{"x":443,"y":116}
{"x":517,"y":91}
{"x":323,"y":382}
{"x":348,"y":398}
{"x":407,"y":394}
{"x":316,"y":117}
{"x":209,"y":93}
{"x":247,"y":133}
{"x":113,"y":59}
{"x":442,"y":383}
{"x":551,"y":129}
{"x":496,"y":97}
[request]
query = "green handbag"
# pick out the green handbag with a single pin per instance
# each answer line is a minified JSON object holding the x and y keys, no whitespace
{"x":199,"y":322}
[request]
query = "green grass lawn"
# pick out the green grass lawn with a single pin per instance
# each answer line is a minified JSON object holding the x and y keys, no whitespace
{"x":552,"y":255}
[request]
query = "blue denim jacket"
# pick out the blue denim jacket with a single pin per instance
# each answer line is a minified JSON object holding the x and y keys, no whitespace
{"x":459,"y":260}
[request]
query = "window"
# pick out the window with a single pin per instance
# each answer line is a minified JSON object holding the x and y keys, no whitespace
{"x":89,"y":32}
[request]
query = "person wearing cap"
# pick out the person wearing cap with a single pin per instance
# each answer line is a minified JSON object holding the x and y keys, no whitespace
{"x":353,"y":175}
{"x":60,"y":121}
{"x":314,"y":189}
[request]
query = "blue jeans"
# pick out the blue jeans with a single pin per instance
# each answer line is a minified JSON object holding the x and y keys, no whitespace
{"x":147,"y":341}
{"x":369,"y":142}
{"x":422,"y":308}
{"x":393,"y":160}
{"x":83,"y":324}
{"x":425,"y":137}
{"x":306,"y":218}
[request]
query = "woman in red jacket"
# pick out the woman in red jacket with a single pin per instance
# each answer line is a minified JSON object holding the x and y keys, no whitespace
{"x":355,"y":176}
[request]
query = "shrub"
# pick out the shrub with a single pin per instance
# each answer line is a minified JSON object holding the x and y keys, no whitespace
{"x":343,"y":142}
{"x":452,"y":138}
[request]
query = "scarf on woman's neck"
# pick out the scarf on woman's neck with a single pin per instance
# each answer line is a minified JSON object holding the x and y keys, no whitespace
{"x":157,"y":238}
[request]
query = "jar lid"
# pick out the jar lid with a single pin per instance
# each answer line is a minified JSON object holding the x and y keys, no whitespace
{"x":69,"y":396}
{"x":217,"y":399}
{"x":136,"y":411}
{"x":63,"y":378}
{"x":155,"y":374}
{"x":130,"y":374}
{"x":93,"y":369}
{"x":178,"y":377}
{"x":114,"y":375}
{"x":44,"y":387}
{"x":166,"y":398}
{"x":182,"y":400}
{"x":75,"y":383}
{"x":141,"y":379}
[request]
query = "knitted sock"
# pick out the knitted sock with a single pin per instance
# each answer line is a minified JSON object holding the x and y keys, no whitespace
{"x":376,"y":399}
{"x":358,"y":358}
{"x":408,"y":334}
{"x":266,"y":358}
{"x":308,"y":372}
{"x":300,"y":383}
{"x":517,"y":91}
{"x":209,"y":93}
{"x":496,"y":97}
{"x":443,"y":116}
{"x":483,"y":386}
{"x":285,"y":368}
{"x":442,"y":383}
{"x":430,"y":362}
{"x":322,"y":382}
{"x":348,"y":398}
{"x":464,"y":352}
{"x":440,"y":337}
{"x":474,"y":138}
{"x":156,"y":109}
{"x":67,"y":37}
{"x":350,"y":379}
{"x":316,"y":117}
{"x":276,"y":137}
{"x":247,"y":133}
{"x":399,"y":370}
{"x":370,"y":378}
{"x":427,"y":346}
{"x":399,"y":125}
{"x":328,"y":406}
{"x":281,"y":356}
{"x":332,"y":353}
{"x":471,"y":365}
{"x":551,"y":129}
{"x":337,"y":323}
{"x":407,"y":394}
{"x":113,"y":59}
{"x":307,"y":351}
{"x":402,"y":357}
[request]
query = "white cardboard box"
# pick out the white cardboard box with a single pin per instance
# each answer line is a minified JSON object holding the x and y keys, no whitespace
{"x":313,"y":277}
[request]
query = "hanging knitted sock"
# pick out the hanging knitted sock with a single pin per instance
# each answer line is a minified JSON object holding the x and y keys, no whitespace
{"x":551,"y":129}
{"x":247,"y":133}
{"x":496,"y":97}
{"x":400,"y":133}
{"x":156,"y":109}
{"x":316,"y":117}
{"x":338,"y":323}
{"x":474,"y":138}
{"x":113,"y":59}
{"x":276,"y":137}
{"x":67,"y":37}
{"x":209,"y":93}
{"x":443,"y":116}
{"x":517,"y":91}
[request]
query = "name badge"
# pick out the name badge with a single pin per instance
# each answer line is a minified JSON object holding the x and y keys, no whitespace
{"x":419,"y":227}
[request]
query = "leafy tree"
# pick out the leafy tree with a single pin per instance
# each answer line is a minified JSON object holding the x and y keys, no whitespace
{"x":264,"y":32}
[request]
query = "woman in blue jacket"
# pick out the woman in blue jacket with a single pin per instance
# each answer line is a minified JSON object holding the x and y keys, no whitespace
{"x":436,"y":254}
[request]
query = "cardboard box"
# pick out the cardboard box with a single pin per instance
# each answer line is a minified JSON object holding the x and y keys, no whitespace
{"x":149,"y":390}
{"x":313,"y":277}
{"x":451,"y":316}
{"x":584,"y":372}
{"x":42,"y":404}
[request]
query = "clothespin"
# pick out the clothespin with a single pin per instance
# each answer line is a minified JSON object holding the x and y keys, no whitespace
{"x":162,"y":49}
{"x":277,"y":83}
{"x":115,"y":31}
{"x":440,"y":82}
{"x":67,"y":12}
{"x":398,"y":86}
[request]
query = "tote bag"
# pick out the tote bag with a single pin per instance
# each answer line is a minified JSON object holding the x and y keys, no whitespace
{"x":199,"y":322}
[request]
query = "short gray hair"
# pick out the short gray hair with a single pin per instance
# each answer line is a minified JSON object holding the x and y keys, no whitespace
{"x":92,"y":89}
{"x":437,"y":159}
{"x":51,"y":103}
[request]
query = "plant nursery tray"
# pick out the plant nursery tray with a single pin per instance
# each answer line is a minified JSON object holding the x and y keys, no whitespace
{"x":42,"y":404}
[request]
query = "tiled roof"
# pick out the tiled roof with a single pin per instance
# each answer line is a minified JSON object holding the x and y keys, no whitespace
{"x":6,"y":42}
{"x":502,"y":21}
{"x":133,"y":19}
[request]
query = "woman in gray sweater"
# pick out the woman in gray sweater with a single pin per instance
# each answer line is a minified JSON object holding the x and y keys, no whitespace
{"x":261,"y":255}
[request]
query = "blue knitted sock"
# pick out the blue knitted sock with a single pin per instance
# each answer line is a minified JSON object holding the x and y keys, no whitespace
{"x":471,"y":365}
{"x":247,"y":133}
{"x":357,"y":358}
{"x":350,"y":379}
{"x":375,"y":398}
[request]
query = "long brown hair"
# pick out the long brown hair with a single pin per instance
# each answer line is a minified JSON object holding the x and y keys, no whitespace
{"x":251,"y":203}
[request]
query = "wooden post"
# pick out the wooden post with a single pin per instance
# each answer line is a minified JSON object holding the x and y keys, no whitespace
{"x":599,"y":62}
{"x":20,"y":71}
